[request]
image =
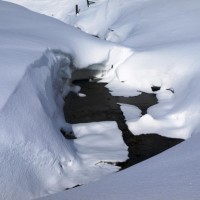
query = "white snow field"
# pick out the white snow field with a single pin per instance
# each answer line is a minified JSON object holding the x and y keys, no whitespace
{"x":149,"y":43}
{"x":37,"y":55}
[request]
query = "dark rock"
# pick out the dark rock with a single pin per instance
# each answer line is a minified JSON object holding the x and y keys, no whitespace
{"x":155,"y":88}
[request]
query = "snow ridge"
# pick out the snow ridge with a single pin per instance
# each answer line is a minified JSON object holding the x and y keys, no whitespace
{"x":38,"y":148}
{"x":50,"y":163}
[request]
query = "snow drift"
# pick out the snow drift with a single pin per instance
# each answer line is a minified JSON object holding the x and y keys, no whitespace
{"x":158,"y":45}
{"x":164,"y":38}
{"x":37,"y":56}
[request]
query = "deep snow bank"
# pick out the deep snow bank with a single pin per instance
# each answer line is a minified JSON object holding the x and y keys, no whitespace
{"x":37,"y":55}
{"x":174,"y":175}
{"x":164,"y":36}
{"x":63,"y":9}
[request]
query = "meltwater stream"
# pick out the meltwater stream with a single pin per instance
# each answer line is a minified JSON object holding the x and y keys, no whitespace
{"x":99,"y":105}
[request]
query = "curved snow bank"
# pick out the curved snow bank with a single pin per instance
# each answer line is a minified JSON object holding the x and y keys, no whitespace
{"x":35,"y":158}
{"x":165,"y":38}
{"x":25,"y":35}
{"x":174,"y":175}
{"x":31,"y":148}
{"x":33,"y":151}
{"x":63,"y":10}
{"x":175,"y":70}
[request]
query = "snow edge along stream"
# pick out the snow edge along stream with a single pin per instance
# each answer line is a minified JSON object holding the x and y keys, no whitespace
{"x":50,"y":162}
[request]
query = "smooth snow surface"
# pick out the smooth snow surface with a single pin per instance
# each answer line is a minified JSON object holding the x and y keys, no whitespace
{"x":149,"y":43}
{"x":98,"y":143}
{"x":62,"y":9}
{"x":164,"y":36}
{"x":37,"y":55}
{"x":130,"y":112}
{"x":172,"y":175}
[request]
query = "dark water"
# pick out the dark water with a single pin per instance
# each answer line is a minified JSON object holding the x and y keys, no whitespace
{"x":100,"y":105}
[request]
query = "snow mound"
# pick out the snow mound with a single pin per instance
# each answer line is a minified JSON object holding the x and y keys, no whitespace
{"x":159,"y":46}
{"x":63,"y":10}
{"x":38,"y":55}
{"x":164,"y":36}
{"x":98,"y":144}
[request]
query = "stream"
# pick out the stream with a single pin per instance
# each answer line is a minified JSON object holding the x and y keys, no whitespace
{"x":97,"y":104}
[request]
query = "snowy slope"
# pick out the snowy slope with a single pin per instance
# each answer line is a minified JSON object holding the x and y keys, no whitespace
{"x":62,"y":9}
{"x":37,"y":55}
{"x":164,"y":36}
{"x":172,"y":175}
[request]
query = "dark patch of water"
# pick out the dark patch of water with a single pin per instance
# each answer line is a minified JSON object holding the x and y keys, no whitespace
{"x":100,"y":105}
{"x":155,"y":88}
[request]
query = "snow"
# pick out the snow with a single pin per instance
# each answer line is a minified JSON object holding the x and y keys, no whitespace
{"x":130,"y":112}
{"x":81,"y":95}
{"x":164,"y":37}
{"x":103,"y":141}
{"x":38,"y":55}
{"x":148,"y":43}
{"x":174,"y":174}
{"x":62,"y":9}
